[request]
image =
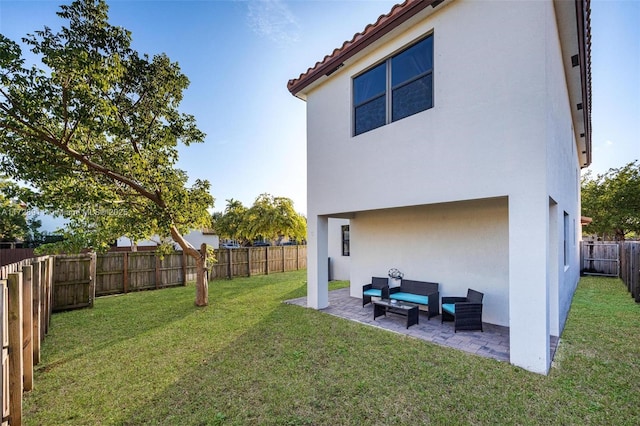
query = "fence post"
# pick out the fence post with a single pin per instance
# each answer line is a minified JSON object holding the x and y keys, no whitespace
{"x":634,"y":276}
{"x":37,"y":284}
{"x":15,"y":348}
{"x":27,"y":327}
{"x":4,"y":349}
{"x":93,"y":269}
{"x":266,"y":260}
{"x":229,"y":271}
{"x":125,"y":272}
{"x":43,"y":299}
{"x":51,"y":293}
{"x":157,"y":259}
{"x":284,"y":260}
{"x":183,"y":265}
{"x":249,"y":250}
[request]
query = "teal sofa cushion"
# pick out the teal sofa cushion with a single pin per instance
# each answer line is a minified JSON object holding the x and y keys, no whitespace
{"x":373,"y":292}
{"x":449,"y":307}
{"x":411,"y":298}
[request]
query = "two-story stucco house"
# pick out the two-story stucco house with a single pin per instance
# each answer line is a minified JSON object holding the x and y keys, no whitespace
{"x":451,"y":134}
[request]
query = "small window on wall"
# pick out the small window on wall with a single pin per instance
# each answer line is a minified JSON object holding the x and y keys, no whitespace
{"x":567,"y":236}
{"x":345,"y":240}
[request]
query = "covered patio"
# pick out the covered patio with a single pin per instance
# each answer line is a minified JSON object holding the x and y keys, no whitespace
{"x":492,"y":343}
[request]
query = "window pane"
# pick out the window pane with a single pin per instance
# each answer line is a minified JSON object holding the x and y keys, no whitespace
{"x":412,"y":98}
{"x":369,"y":85}
{"x":414,"y":61}
{"x":345,"y":240}
{"x":370,"y":115}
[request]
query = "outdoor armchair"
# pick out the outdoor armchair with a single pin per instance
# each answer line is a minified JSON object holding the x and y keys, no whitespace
{"x":466,"y":312}
{"x":379,"y":287}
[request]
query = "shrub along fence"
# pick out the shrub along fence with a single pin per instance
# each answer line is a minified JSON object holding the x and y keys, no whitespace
{"x":26,"y":301}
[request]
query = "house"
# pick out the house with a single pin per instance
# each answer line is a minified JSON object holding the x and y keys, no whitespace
{"x":451,"y":135}
{"x":196,"y":238}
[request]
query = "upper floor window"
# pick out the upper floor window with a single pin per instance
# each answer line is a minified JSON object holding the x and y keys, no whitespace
{"x":397,"y":88}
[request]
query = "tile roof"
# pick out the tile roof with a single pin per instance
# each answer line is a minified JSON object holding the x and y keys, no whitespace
{"x":399,"y":14}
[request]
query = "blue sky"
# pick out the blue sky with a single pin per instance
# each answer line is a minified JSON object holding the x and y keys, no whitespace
{"x":239,"y":56}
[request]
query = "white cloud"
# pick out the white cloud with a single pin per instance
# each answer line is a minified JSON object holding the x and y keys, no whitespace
{"x":274,"y":20}
{"x":604,"y":145}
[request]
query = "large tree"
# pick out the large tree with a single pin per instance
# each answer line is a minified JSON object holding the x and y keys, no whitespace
{"x":612,"y":200}
{"x":269,"y":217}
{"x":274,"y":218}
{"x":95,"y":129}
{"x":228,"y":224}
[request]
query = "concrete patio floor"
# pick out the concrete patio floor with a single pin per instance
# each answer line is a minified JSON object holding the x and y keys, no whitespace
{"x":492,"y":343}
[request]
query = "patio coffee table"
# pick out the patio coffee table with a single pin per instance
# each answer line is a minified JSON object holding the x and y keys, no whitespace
{"x":409,"y":310}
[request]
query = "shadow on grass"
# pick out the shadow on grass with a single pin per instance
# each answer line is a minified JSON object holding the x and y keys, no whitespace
{"x":250,"y":359}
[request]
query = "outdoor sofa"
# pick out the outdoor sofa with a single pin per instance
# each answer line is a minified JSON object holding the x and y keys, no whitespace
{"x":466,"y":312}
{"x":375,"y":289}
{"x":425,"y":294}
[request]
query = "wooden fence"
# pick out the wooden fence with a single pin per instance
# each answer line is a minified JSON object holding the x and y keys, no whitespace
{"x":630,"y":267}
{"x":614,"y":259}
{"x":600,"y":258}
{"x":249,"y":261}
{"x":77,"y":282}
{"x":80,"y":278}
{"x":26,"y":300}
{"x":14,"y":255}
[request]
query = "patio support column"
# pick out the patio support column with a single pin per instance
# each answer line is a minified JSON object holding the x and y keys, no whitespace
{"x":317,"y":255}
{"x":528,"y":284}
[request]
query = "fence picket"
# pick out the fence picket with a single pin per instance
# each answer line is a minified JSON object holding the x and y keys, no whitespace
{"x":15,"y":348}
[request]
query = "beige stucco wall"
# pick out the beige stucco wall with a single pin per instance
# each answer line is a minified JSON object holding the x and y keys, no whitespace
{"x":340,"y":265}
{"x":485,"y":125}
{"x":458,"y":245}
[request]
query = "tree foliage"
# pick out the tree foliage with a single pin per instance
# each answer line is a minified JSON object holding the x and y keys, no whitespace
{"x":228,"y":224}
{"x":13,"y":217}
{"x":95,"y":130}
{"x":612,"y":200}
{"x":270,"y":218}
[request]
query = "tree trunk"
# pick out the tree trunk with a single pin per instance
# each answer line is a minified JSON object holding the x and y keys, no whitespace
{"x":202,"y":286}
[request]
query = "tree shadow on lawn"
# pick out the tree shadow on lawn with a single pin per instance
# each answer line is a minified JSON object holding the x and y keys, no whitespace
{"x":292,"y":367}
{"x":127,"y":316}
{"x":300,"y":366}
{"x":250,"y":359}
{"x":101,"y":350}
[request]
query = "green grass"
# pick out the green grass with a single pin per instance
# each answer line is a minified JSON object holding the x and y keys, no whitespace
{"x":247,"y":358}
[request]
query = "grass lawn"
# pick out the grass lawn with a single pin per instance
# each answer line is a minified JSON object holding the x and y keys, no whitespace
{"x":247,"y":358}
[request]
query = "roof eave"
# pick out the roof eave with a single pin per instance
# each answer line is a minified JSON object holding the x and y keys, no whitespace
{"x":398,"y":15}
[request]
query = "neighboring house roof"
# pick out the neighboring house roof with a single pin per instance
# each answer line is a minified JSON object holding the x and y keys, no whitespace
{"x":403,"y":12}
